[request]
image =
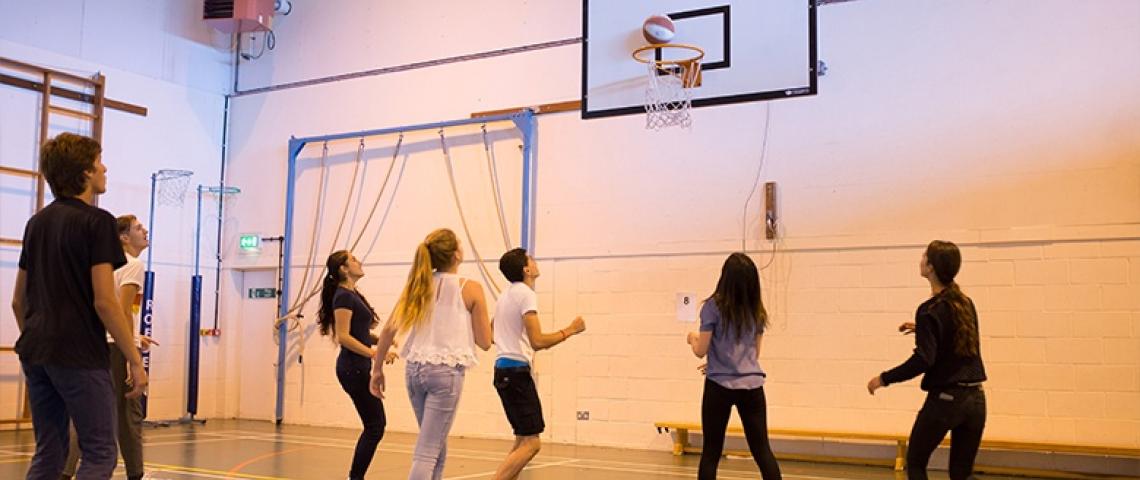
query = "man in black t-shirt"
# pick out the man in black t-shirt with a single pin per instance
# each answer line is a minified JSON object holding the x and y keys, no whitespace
{"x":66,"y":303}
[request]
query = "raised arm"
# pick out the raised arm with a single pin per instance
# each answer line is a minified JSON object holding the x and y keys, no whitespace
{"x":540,"y":340}
{"x":699,"y":342}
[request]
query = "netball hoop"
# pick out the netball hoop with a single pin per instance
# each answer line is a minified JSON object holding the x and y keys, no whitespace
{"x":668,"y":95}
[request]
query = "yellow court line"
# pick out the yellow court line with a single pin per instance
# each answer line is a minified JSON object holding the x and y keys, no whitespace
{"x":223,"y":473}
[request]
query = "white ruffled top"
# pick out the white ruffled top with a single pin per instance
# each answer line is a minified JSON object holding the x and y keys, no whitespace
{"x":446,"y":338}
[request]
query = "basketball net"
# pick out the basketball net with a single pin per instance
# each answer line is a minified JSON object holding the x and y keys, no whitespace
{"x":170,"y":186}
{"x":668,"y":92}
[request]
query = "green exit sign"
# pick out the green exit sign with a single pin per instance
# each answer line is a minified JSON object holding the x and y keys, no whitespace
{"x":262,"y":292}
{"x":249,"y":242}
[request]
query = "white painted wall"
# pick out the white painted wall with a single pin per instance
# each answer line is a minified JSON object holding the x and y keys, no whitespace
{"x":154,"y":54}
{"x":1011,"y":129}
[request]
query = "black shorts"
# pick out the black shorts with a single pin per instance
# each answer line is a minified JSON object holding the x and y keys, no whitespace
{"x":520,"y":400}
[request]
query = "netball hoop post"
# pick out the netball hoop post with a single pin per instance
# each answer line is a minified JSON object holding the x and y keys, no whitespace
{"x":167,"y":188}
{"x":668,"y":92}
{"x":223,"y":195}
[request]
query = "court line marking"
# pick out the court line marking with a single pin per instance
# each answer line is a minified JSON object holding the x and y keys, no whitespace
{"x":209,"y":473}
{"x":570,"y":462}
{"x":526,"y":469}
{"x":237,"y":468}
{"x":680,"y":470}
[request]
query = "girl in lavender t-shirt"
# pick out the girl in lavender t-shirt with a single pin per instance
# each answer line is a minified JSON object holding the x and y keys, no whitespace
{"x":733,"y":320}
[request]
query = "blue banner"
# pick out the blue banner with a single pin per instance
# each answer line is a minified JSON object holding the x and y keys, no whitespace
{"x":146,"y":324}
{"x":194,"y":343}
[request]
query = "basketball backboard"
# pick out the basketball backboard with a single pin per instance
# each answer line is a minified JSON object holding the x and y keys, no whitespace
{"x":754,"y":50}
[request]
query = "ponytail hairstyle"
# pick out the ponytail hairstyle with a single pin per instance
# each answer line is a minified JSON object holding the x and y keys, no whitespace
{"x":737,"y":296}
{"x":329,"y":284}
{"x":325,"y":317}
{"x":945,"y":260}
{"x":435,"y":253}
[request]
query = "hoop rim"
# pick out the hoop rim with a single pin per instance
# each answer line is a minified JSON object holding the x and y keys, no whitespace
{"x":168,"y":173}
{"x":213,"y":189}
{"x":700,"y":54}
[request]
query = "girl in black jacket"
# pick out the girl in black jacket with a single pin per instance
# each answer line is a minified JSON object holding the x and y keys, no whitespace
{"x":947,"y":354}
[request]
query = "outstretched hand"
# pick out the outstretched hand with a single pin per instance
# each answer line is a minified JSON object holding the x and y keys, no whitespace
{"x":875,"y":384}
{"x":145,"y":343}
{"x":906,"y":328}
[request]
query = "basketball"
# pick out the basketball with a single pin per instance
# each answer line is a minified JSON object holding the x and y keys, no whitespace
{"x":658,"y":29}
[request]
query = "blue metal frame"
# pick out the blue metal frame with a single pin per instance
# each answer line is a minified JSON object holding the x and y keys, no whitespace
{"x":523,"y":120}
{"x":146,"y":320}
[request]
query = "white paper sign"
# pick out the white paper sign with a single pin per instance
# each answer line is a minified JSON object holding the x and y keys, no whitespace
{"x":687,"y":307}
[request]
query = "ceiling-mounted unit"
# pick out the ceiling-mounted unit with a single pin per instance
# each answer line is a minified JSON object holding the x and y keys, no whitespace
{"x":232,"y":16}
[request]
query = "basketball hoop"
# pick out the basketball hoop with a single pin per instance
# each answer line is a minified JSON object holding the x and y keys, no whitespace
{"x":667,"y":95}
{"x":169,"y":186}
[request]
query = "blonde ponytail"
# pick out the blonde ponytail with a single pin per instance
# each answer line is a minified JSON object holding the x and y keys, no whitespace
{"x":434,"y":253}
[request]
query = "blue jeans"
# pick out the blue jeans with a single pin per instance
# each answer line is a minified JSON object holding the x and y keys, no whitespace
{"x":434,"y":391}
{"x":85,"y":397}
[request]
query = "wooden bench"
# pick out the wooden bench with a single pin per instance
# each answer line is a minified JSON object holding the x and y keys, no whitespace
{"x":681,"y":446}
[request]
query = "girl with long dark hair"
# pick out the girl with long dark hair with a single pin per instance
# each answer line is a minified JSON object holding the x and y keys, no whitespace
{"x":733,"y":321}
{"x":347,"y":317}
{"x":947,"y":354}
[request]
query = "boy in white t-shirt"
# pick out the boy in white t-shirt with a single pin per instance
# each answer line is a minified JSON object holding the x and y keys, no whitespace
{"x":518,"y":334}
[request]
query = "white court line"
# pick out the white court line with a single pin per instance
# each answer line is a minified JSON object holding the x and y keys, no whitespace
{"x":528,"y":468}
{"x":351,"y":443}
{"x":555,"y":461}
{"x":632,"y":467}
{"x":145,"y":444}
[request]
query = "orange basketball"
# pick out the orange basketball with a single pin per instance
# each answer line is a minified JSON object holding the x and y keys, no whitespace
{"x":658,"y":29}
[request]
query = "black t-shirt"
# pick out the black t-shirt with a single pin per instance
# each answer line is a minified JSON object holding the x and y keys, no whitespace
{"x":360,"y":327}
{"x":61,"y":244}
{"x":934,"y":355}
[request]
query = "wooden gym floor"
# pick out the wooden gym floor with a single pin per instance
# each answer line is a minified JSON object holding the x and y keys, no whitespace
{"x":259,"y":450}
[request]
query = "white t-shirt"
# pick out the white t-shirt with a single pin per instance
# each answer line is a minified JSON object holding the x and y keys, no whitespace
{"x":511,"y":339}
{"x":133,"y":273}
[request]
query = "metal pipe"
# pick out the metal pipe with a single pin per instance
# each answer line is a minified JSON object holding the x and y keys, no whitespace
{"x":295,"y":147}
{"x":150,"y":219}
{"x":411,"y":128}
{"x":221,"y":213}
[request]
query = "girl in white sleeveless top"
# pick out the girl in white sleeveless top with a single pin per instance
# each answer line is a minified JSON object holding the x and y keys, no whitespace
{"x":447,"y":318}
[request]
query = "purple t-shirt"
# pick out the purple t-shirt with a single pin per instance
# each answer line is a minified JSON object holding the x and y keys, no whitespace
{"x":732,"y":360}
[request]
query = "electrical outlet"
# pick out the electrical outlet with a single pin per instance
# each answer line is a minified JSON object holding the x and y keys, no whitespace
{"x":583,"y":414}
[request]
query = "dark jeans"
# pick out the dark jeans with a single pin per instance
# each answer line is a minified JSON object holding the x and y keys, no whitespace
{"x":83,"y":396}
{"x":354,"y":380}
{"x":961,"y":411}
{"x":129,"y":412}
{"x":716,"y":406}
